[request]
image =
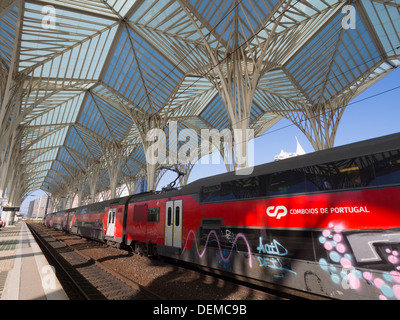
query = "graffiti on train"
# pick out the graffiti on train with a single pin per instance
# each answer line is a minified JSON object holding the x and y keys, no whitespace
{"x":224,"y":257}
{"x":275,"y":250}
{"x":359,"y":257}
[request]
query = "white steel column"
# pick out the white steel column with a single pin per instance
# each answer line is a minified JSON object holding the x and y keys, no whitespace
{"x":236,"y":77}
{"x":8,"y":104}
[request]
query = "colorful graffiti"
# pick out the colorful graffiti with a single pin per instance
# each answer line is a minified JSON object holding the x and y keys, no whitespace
{"x":223,"y":265}
{"x":349,"y":277}
{"x":273,"y":248}
{"x":388,"y":282}
{"x":356,"y":262}
{"x":222,"y":256}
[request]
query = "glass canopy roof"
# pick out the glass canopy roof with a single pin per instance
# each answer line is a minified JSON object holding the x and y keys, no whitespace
{"x":86,"y":73}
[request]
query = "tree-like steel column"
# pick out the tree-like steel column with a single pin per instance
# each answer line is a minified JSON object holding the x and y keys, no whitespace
{"x":11,"y":95}
{"x":151,"y":127}
{"x":236,"y":75}
{"x":320,"y":123}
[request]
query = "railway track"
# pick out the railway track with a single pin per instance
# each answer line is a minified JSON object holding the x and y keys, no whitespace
{"x":82,"y":277}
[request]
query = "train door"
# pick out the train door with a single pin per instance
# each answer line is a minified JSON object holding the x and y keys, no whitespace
{"x":111,"y":222}
{"x":71,"y":221}
{"x":173,"y":223}
{"x":65,"y":221}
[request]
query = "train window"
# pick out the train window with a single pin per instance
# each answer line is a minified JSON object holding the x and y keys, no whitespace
{"x":355,"y":173}
{"x":351,"y":173}
{"x":207,"y":193}
{"x":387,"y":168}
{"x":247,"y":188}
{"x":367,"y":174}
{"x":223,"y":192}
{"x":287,"y":182}
{"x":319,"y":177}
{"x":226,"y":192}
{"x":153,"y":215}
{"x":177,"y":221}
{"x":316,"y":179}
{"x":169,"y":216}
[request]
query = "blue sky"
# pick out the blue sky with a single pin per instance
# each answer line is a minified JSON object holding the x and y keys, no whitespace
{"x":369,"y":118}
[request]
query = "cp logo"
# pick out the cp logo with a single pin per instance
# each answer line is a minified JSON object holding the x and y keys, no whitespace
{"x":277,"y":212}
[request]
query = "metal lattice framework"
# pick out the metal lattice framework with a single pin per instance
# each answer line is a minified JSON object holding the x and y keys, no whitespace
{"x":82,"y":82}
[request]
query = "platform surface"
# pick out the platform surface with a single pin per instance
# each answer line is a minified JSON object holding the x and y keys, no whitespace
{"x":25,"y":274}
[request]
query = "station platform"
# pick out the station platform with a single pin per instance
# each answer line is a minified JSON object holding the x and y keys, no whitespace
{"x":25,"y":273}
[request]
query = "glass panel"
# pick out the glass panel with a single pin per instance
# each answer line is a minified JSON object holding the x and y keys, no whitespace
{"x":153,"y":215}
{"x":351,"y":173}
{"x":177,"y":220}
{"x":387,"y":168}
{"x":169,"y":216}
{"x":247,"y":188}
{"x":292,"y":181}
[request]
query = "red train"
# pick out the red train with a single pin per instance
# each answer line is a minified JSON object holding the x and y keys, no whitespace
{"x":326,"y":223}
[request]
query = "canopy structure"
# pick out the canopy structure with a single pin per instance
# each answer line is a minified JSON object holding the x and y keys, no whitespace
{"x":83,"y":82}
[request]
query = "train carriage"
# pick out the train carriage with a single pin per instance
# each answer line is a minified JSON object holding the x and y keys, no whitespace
{"x":57,"y":220}
{"x":326,"y":223}
{"x":100,"y":221}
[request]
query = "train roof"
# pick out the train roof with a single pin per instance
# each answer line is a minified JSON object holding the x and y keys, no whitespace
{"x":362,"y":148}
